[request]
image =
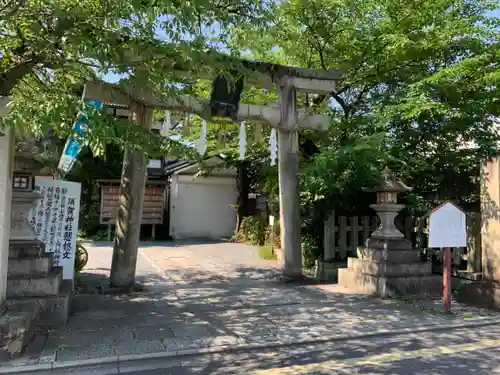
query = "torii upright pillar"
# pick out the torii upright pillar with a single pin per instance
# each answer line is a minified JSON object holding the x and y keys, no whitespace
{"x":288,"y":170}
{"x":128,"y":221}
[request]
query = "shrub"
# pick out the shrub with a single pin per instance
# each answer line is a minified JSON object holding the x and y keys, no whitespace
{"x":90,"y":224}
{"x":310,"y":251}
{"x":275,"y":230}
{"x":253,"y":230}
{"x":266,"y":252}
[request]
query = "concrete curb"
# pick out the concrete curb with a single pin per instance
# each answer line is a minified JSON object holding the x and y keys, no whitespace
{"x":234,"y":348}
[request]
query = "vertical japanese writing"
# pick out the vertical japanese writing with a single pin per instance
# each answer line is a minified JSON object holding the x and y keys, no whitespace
{"x":60,"y":227}
{"x":68,"y":229}
{"x":46,"y":218}
{"x":53,"y":218}
{"x":37,"y":213}
{"x":41,"y":211}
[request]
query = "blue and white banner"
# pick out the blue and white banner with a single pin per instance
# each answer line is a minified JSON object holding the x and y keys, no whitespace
{"x":74,"y":144}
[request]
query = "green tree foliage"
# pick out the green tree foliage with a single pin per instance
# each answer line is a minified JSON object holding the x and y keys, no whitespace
{"x":419,"y":93}
{"x":419,"y":85}
{"x":49,"y":48}
{"x":119,"y":35}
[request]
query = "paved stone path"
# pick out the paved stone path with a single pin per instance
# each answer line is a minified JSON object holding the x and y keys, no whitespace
{"x":463,"y":351}
{"x":193,"y":263}
{"x":216,"y":296}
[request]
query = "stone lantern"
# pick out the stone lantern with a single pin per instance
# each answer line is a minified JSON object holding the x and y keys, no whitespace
{"x":388,"y":264}
{"x":24,"y":198}
{"x":387,"y":207}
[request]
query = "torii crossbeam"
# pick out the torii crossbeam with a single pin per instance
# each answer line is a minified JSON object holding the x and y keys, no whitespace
{"x":122,"y":96}
{"x":285,"y":116}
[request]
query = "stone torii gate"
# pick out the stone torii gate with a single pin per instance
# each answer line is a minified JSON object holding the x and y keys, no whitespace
{"x":285,"y":116}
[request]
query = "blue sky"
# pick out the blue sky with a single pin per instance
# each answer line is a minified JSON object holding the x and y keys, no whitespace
{"x":214,"y":30}
{"x":113,"y":78}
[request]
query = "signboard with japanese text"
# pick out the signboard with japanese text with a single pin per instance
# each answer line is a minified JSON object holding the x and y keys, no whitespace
{"x":152,"y":209}
{"x":447,"y":227}
{"x":55,"y":220}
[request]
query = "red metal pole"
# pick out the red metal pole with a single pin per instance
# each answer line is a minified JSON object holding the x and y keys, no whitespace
{"x":447,"y":279}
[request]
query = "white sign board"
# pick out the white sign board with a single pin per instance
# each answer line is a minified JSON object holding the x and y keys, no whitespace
{"x":153,"y":163}
{"x":447,"y":227}
{"x":55,"y":220}
{"x":271,"y":221}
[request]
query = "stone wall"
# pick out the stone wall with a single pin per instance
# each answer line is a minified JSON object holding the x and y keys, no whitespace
{"x":490,"y":218}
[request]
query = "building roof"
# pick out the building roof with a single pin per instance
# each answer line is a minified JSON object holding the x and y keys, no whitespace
{"x":389,"y":184}
{"x":172,"y":166}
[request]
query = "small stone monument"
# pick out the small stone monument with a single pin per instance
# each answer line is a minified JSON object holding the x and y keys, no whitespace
{"x":388,"y":265}
{"x":387,"y":207}
{"x":23,"y":197}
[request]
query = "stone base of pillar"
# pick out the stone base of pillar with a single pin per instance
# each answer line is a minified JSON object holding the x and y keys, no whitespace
{"x":482,"y":294}
{"x":280,"y":255}
{"x":327,"y":271}
{"x":37,"y":296}
{"x":20,"y":226}
{"x":388,"y":267}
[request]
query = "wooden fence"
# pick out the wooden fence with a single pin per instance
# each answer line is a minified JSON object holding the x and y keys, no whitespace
{"x":344,"y":234}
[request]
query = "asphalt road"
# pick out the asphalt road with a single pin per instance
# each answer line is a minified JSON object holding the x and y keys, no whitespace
{"x":461,"y":351}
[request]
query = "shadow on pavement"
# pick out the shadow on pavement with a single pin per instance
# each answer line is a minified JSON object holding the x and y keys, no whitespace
{"x":250,"y":307}
{"x":176,"y":243}
{"x":425,"y":353}
{"x":215,"y":297}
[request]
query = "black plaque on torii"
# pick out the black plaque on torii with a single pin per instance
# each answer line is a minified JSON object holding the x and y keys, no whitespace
{"x":225,"y":96}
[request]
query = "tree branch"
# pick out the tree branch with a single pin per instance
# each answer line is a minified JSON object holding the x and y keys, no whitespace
{"x":358,"y":99}
{"x":13,"y":74}
{"x":14,"y":6}
{"x":341,"y":102}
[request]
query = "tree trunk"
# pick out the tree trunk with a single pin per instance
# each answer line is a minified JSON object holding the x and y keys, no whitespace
{"x":128,"y":222}
{"x":10,"y":78}
{"x":243,"y":181}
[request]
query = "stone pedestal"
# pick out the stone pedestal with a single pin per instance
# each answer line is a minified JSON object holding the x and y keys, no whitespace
{"x":326,"y":271}
{"x":389,"y":266}
{"x":20,"y":226}
{"x":387,"y":212}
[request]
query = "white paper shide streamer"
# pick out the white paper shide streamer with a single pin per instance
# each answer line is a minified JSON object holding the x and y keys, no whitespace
{"x":166,"y":125}
{"x":243,"y":140}
{"x":202,"y":141}
{"x":273,"y":146}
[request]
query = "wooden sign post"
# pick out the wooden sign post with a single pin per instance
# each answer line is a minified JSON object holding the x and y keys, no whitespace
{"x":447,"y":229}
{"x":153,"y":204}
{"x":271,"y":234}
